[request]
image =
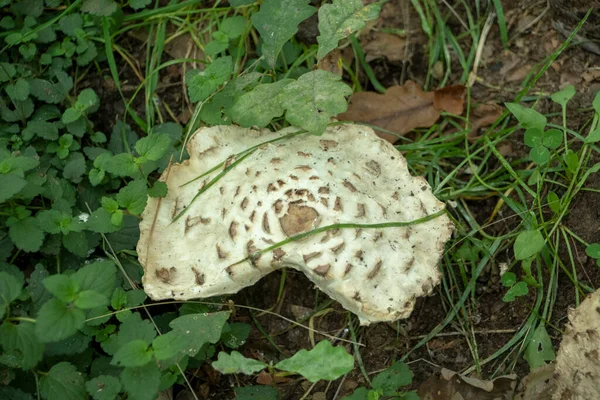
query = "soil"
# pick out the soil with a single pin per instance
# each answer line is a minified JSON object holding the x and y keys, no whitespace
{"x":501,"y":73}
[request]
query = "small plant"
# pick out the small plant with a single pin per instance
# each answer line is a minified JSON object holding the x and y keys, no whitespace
{"x":388,"y":385}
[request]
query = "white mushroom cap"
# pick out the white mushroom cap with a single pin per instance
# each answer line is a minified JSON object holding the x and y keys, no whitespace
{"x":196,"y":246}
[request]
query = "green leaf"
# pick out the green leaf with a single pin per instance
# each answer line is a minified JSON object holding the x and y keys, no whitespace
{"x":534,"y":137}
{"x":360,"y":394}
{"x":47,"y":91}
{"x":132,"y":328}
{"x":10,"y":288}
{"x":7,"y":71}
{"x":43,"y":129}
{"x":139,"y":4}
{"x":539,"y":349}
{"x":71,"y":23}
{"x":594,"y":136}
{"x":26,"y":233}
{"x":159,"y":189}
{"x":90,"y":299}
{"x":123,"y":165}
{"x":71,"y":115}
{"x":86,"y":99}
{"x":539,"y":155}
{"x":259,"y":106}
{"x":313,"y":99}
{"x":21,"y":342}
{"x":103,"y":387}
{"x":572,"y":161}
{"x":167,"y":346}
{"x":255,"y":393}
{"x":153,"y":147}
{"x":57,"y":321}
{"x":508,"y":279}
{"x":233,"y":27}
{"x":19,"y":91}
{"x":593,"y":250}
{"x":553,"y":202}
{"x":527,"y":117}
{"x":563,"y":96}
{"x":528,"y":244}
{"x":340,"y":19}
{"x":37,"y":291}
{"x":518,"y":290}
{"x":99,"y":276}
{"x":552,"y":138}
{"x":96,"y":176}
{"x":235,"y":363}
{"x":202,"y":84}
{"x":392,"y":379}
{"x":62,"y":287}
{"x":324,"y":361}
{"x":10,"y":184}
{"x":63,"y":382}
{"x":100,"y":222}
{"x":99,"y":8}
{"x":11,"y":393}
{"x":134,"y":197}
{"x":133,"y":354}
{"x":277,"y":22}
{"x":141,"y":383}
{"x":236,"y":336}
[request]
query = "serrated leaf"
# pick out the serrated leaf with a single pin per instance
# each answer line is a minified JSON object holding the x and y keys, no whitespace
{"x":141,"y":383}
{"x":47,"y":91}
{"x":527,"y":117}
{"x":10,"y":288}
{"x":87,"y":98}
{"x":203,"y":84}
{"x":62,"y":287}
{"x":132,"y":328}
{"x":100,"y":222}
{"x":259,"y":106}
{"x":19,"y":91}
{"x":153,"y":147}
{"x":235,"y":363}
{"x":99,"y":276}
{"x":139,"y":4}
{"x":324,"y":361}
{"x":123,"y":165}
{"x":539,"y":349}
{"x":390,"y":381}
{"x":43,"y":129}
{"x":71,"y":114}
{"x":159,"y":189}
{"x":277,"y":22}
{"x":10,"y":184}
{"x":313,"y":99}
{"x":20,"y":341}
{"x":57,"y":321}
{"x":103,"y":387}
{"x":63,"y":382}
{"x":528,"y":244}
{"x":133,"y":354}
{"x":134,"y":197}
{"x":26,"y":233}
{"x":340,"y":19}
{"x":90,"y":299}
{"x":255,"y":393}
{"x":99,"y":8}
{"x":69,"y":24}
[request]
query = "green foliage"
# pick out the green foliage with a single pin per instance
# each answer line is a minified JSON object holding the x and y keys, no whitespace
{"x":539,"y":348}
{"x":388,"y":383}
{"x":235,"y":363}
{"x":255,"y":393}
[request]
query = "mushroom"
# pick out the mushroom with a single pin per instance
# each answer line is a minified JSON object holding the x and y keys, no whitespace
{"x":341,"y":207}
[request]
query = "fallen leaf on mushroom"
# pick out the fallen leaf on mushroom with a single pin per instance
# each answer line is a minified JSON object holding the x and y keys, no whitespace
{"x":341,"y":207}
{"x":403,"y":108}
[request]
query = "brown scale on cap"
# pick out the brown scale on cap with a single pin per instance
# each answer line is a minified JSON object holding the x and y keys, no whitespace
{"x":226,"y":239}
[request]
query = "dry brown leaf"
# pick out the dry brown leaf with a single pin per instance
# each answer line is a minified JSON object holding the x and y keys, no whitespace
{"x":385,"y":45}
{"x":537,"y":385}
{"x":452,"y":386}
{"x":483,"y":115}
{"x":332,"y":62}
{"x":403,"y":108}
{"x":264,"y":378}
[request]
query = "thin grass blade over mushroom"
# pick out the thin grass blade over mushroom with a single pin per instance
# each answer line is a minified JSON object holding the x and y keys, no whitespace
{"x":341,"y":207}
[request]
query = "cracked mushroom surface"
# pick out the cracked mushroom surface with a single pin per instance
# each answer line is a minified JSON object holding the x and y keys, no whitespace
{"x":208,"y":236}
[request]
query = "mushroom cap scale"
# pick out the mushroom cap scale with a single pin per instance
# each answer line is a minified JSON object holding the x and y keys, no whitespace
{"x":197,"y":246}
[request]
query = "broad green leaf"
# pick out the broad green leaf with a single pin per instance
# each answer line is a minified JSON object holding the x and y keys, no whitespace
{"x":508,"y":279}
{"x":10,"y":288}
{"x":11,"y":393}
{"x":10,"y":184}
{"x":62,"y":287}
{"x":277,"y":22}
{"x":259,"y":106}
{"x":572,"y":161}
{"x":76,"y":344}
{"x":518,"y":290}
{"x":202,"y":84}
{"x":324,"y":361}
{"x":313,"y":99}
{"x":233,"y":27}
{"x":236,"y":336}
{"x":133,"y":354}
{"x":528,"y":244}
{"x":90,"y":299}
{"x":134,"y":197}
{"x":69,"y":24}
{"x":594,"y":136}
{"x":63,"y":382}
{"x":19,"y":91}
{"x":45,"y":130}
{"x":563,"y":96}
{"x":593,"y":250}
{"x":539,"y":155}
{"x":139,"y":4}
{"x":47,"y":91}
{"x":141,"y":383}
{"x":167,"y":345}
{"x":553,"y":202}
{"x":159,"y":189}
{"x":103,"y":387}
{"x":26,"y":233}
{"x":99,"y":276}
{"x":132,"y":328}
{"x":235,"y":363}
{"x":38,"y":293}
{"x":7,"y":71}
{"x":539,"y":349}
{"x":255,"y":393}
{"x":527,"y":117}
{"x":70,"y":115}
{"x":123,"y":165}
{"x":57,"y":321}
{"x":390,"y":381}
{"x":99,"y":8}
{"x":153,"y":147}
{"x":100,"y":222}
{"x":21,"y":342}
{"x":360,"y":394}
{"x":552,"y":138}
{"x":534,"y":137}
{"x":217,"y":110}
{"x":340,"y":19}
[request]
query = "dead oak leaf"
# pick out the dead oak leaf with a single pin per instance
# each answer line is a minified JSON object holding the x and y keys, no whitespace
{"x":452,"y":386}
{"x":403,"y":108}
